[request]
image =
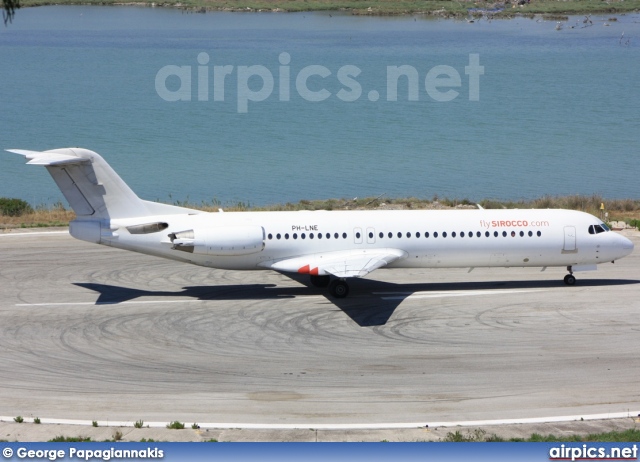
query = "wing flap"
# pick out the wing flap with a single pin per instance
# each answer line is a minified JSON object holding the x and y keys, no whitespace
{"x":341,"y":264}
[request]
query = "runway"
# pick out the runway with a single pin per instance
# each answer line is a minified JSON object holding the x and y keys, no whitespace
{"x":93,"y":333}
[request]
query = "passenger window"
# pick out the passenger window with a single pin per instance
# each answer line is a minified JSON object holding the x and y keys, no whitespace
{"x":319,"y":235}
{"x":344,"y":235}
{"x":335,"y":235}
{"x":303,"y":236}
{"x":370,"y":235}
{"x":461,"y":234}
{"x":444,"y":234}
{"x":426,"y":234}
{"x":453,"y":234}
{"x":310,"y":235}
{"x":521,"y":233}
{"x":286,"y":236}
{"x":399,"y":234}
{"x":278,"y":236}
{"x":530,"y":234}
{"x":513,"y":234}
{"x":295,"y":235}
{"x":418,"y":234}
{"x":504,"y":234}
{"x":357,"y":235}
{"x":495,"y":234}
{"x":270,"y":236}
{"x":478,"y":234}
{"x":380,"y":234}
{"x":408,"y":234}
{"x":539,"y":233}
{"x":435,"y":234}
{"x":486,"y":233}
{"x":328,"y":235}
{"x":390,"y":235}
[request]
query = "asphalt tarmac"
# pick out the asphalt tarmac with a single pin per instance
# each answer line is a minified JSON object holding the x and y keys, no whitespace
{"x":93,"y":333}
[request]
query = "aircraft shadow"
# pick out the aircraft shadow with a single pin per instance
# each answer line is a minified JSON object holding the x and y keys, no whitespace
{"x":365,"y":304}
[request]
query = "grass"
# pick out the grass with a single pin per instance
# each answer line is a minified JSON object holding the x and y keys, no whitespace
{"x":175,"y":425}
{"x":479,"y":435}
{"x":18,"y":419}
{"x":440,"y":8}
{"x":139,"y":423}
{"x":627,"y":210}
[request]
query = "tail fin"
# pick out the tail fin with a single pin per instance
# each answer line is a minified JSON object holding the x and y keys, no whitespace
{"x":92,"y":188}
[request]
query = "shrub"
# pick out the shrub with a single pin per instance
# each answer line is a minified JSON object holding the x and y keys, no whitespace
{"x":18,"y":419}
{"x":36,"y":420}
{"x":195,"y":426}
{"x":94,"y":423}
{"x":14,"y":207}
{"x":176,"y":425}
{"x":139,"y":423}
{"x":117,"y":435}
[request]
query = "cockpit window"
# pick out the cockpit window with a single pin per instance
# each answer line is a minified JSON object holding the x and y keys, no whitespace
{"x":597,"y":229}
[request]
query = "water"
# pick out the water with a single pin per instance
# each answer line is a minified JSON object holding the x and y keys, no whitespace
{"x":557,"y":110}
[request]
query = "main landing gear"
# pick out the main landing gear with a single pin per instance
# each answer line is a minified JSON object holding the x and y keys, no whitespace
{"x":338,"y":287}
{"x":570,"y":279}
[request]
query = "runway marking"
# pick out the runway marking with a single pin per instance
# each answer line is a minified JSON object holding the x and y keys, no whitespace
{"x":356,"y":426}
{"x":450,"y":293}
{"x":40,"y":233}
{"x":137,"y":302}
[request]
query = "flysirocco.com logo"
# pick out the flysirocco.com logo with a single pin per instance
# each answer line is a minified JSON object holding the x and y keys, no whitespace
{"x":256,"y":83}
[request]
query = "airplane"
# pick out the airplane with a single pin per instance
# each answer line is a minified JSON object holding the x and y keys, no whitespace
{"x":329,"y":246}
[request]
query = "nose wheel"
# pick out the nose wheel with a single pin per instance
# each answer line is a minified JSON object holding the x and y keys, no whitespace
{"x":569,"y":279}
{"x":339,"y":288}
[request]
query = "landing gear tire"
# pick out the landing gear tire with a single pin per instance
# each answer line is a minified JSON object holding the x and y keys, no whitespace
{"x":569,"y":279}
{"x":320,"y":281}
{"x":339,"y":288}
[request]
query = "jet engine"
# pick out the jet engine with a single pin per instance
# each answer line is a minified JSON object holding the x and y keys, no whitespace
{"x":224,"y":241}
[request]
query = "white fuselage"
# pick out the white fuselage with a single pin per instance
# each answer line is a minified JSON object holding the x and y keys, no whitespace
{"x":429,"y":239}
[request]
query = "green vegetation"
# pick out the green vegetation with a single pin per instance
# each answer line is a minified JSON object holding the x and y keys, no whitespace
{"x":479,"y":435}
{"x":11,"y":207}
{"x":212,"y":440}
{"x":94,"y":423}
{"x":18,"y":419}
{"x":627,"y":210}
{"x":176,"y":425}
{"x":117,"y":435}
{"x":139,"y":423}
{"x":70,"y":439}
{"x":439,"y":8}
{"x":195,"y":426}
{"x":36,"y":420}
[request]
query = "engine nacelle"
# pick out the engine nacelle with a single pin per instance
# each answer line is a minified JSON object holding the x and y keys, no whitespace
{"x":220,"y":240}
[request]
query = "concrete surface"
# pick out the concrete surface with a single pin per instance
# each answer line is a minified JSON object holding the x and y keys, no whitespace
{"x":88,"y":332}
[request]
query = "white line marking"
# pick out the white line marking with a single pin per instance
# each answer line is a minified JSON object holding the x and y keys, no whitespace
{"x":34,"y":234}
{"x":451,"y":293}
{"x":138,"y":302}
{"x":356,"y":426}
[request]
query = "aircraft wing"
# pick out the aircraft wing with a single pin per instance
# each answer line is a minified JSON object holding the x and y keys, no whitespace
{"x":341,"y":264}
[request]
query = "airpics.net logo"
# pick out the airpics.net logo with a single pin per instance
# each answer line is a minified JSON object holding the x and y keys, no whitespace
{"x":256,"y":83}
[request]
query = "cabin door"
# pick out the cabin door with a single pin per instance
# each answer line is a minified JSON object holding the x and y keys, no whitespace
{"x":569,"y":239}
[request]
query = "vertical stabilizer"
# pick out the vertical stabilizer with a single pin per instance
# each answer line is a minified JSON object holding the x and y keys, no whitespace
{"x":92,"y":188}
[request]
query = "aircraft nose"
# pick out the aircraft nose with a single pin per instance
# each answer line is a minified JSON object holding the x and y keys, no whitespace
{"x":626,"y":244}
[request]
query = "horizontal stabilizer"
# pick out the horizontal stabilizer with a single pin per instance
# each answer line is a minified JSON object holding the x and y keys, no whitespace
{"x":47,"y":157}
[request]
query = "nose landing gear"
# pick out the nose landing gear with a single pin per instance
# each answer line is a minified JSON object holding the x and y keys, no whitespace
{"x":570,"y":279}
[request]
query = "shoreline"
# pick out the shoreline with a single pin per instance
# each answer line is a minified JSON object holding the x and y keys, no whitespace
{"x":22,"y":215}
{"x":451,"y":9}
